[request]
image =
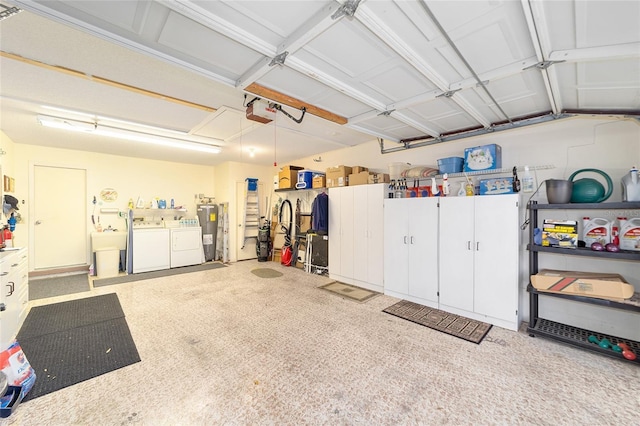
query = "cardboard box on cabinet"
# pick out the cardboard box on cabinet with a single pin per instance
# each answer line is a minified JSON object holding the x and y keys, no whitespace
{"x":379,"y":178}
{"x":288,"y":177}
{"x":338,"y":176}
{"x":589,"y":284}
{"x":361,"y":178}
{"x":319,"y":181}
{"x":358,"y":169}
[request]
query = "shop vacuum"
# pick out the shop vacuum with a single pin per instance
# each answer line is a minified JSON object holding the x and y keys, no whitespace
{"x":263,"y":248}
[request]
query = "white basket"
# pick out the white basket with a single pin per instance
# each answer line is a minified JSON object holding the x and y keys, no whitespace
{"x":396,"y":169}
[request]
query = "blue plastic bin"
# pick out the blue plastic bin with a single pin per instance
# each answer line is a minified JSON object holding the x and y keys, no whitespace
{"x":450,"y":165}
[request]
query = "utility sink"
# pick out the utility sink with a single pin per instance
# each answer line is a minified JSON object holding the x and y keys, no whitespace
{"x":108,"y":239}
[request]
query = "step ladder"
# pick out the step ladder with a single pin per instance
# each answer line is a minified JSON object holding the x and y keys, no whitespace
{"x":251,"y":221}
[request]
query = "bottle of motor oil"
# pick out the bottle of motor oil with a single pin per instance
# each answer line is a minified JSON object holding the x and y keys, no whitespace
{"x":596,"y":230}
{"x":629,"y":233}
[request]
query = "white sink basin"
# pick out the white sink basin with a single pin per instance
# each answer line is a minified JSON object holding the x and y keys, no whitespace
{"x":102,"y":240}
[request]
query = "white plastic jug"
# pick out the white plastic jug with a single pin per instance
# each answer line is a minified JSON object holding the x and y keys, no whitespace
{"x":630,"y":234}
{"x":596,"y":230}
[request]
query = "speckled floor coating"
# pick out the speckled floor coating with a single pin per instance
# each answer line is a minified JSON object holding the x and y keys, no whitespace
{"x":226,"y":347}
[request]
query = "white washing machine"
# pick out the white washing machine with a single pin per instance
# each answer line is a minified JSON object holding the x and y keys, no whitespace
{"x":186,"y":246}
{"x":151,"y":249}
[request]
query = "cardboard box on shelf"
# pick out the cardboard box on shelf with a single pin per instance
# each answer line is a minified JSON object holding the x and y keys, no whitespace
{"x":288,"y":177}
{"x":319,"y":181}
{"x":484,"y":157}
{"x":590,"y":284}
{"x":338,"y":176}
{"x":560,"y":233}
{"x":379,"y":178}
{"x":361,"y":178}
{"x":358,"y":169}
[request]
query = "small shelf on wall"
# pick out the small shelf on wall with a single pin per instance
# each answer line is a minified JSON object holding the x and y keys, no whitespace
{"x":495,"y":171}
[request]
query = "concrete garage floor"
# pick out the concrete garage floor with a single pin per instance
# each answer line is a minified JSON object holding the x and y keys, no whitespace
{"x":227,"y":347}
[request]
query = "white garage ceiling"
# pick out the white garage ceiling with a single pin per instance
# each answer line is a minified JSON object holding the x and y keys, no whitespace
{"x":407,"y":72}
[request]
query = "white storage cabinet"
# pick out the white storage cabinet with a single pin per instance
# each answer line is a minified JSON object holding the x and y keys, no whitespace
{"x":411,"y":249}
{"x":478,"y":264}
{"x":356,"y":242}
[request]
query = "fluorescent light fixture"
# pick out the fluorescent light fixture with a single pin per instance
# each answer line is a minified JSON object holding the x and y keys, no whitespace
{"x":131,"y":135}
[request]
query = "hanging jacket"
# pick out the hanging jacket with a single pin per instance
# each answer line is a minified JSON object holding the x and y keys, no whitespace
{"x":320,"y":213}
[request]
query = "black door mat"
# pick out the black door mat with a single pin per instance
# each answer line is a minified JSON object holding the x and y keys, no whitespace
{"x":455,"y":325}
{"x":61,"y":316}
{"x":76,"y":348}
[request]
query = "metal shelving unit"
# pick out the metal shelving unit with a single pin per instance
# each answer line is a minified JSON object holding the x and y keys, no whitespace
{"x":566,"y":333}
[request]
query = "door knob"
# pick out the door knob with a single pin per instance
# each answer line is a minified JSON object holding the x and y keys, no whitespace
{"x":38,"y":222}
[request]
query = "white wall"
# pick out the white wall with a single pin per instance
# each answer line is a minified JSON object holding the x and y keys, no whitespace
{"x":568,"y":145}
{"x":130,"y":177}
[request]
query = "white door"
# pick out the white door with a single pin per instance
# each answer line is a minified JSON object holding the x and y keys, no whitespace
{"x":457,"y":247}
{"x":59,"y":221}
{"x":423,"y":249}
{"x":249,"y":250}
{"x":396,"y":248}
{"x":496,"y":256}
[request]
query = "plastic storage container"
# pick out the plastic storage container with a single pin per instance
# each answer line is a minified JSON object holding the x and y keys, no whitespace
{"x":450,"y":165}
{"x":107,"y":262}
{"x":396,"y":169}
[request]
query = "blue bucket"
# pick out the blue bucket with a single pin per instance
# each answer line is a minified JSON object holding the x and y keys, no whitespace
{"x":450,"y":165}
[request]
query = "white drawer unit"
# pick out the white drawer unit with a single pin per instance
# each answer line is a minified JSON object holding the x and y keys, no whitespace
{"x":14,"y":294}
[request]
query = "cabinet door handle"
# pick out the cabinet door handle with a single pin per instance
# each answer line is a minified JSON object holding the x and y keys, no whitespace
{"x":12,"y":287}
{"x":405,"y":239}
{"x":468,"y":245}
{"x":3,"y":307}
{"x":3,"y":274}
{"x":477,"y":246}
{"x":412,"y":239}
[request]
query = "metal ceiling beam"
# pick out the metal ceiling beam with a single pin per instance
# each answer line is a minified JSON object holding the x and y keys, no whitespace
{"x":542,"y":45}
{"x":315,"y":26}
{"x":395,"y":42}
{"x":467,"y":83}
{"x":496,"y":74}
{"x":514,"y":124}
